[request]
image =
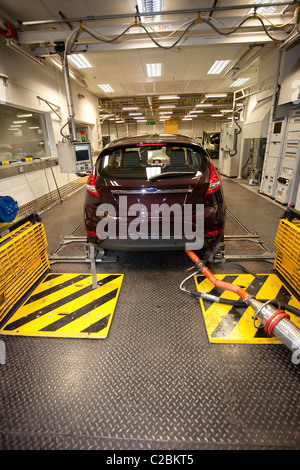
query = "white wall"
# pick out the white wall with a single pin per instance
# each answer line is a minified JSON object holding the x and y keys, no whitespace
{"x":27,"y":187}
{"x":193,"y":128}
{"x":26,"y":81}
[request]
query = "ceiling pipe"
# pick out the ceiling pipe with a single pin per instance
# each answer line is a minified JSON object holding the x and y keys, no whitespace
{"x":64,"y":62}
{"x":153,"y":13}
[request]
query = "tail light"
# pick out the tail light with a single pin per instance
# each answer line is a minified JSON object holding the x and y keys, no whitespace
{"x":214,"y":181}
{"x":92,"y":234}
{"x":214,"y":233}
{"x":91,"y":184}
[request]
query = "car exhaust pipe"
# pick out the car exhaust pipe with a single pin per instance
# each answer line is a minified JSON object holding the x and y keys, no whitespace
{"x":276,"y":322}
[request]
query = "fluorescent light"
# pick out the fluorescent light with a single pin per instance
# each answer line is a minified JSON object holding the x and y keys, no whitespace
{"x":218,"y":66}
{"x":153,"y":70}
{"x":135,"y":114}
{"x":170,"y":97}
{"x":37,"y":127}
{"x":203,"y":105}
{"x":145,"y":6}
{"x":106,"y":88}
{"x":217,"y":115}
{"x":19,"y":122}
{"x":138,"y":117}
{"x":23,"y":115}
{"x":130,"y":108}
{"x":186,"y":119}
{"x":165,"y":112}
{"x":226,"y":110}
{"x":196,"y":111}
{"x":216,"y":95}
{"x":267,"y":10}
{"x":79,"y":61}
{"x":166,"y":106}
{"x":141,"y":120}
{"x":239,"y":82}
{"x":16,"y":125}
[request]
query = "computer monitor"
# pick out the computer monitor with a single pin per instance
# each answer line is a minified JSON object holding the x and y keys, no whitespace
{"x":83,"y":156}
{"x":277,"y":127}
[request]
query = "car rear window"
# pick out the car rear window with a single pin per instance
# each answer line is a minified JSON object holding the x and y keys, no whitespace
{"x":143,"y":161}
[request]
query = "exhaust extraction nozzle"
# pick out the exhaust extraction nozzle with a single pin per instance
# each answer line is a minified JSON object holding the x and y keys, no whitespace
{"x":276,"y":322}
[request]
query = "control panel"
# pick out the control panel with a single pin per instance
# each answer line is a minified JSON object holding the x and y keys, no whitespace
{"x":287,"y":180}
{"x":75,"y":157}
{"x":272,"y":161}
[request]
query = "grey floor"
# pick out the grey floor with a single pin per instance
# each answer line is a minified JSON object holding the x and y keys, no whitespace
{"x":156,"y":382}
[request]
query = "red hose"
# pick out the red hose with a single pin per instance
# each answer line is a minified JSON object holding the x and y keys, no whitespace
{"x":216,"y":282}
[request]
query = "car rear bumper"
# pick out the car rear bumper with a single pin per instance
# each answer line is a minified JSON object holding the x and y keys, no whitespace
{"x":156,"y":244}
{"x":143,"y":244}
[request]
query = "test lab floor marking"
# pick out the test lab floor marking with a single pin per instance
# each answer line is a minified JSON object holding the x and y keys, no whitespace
{"x":67,"y":306}
{"x":230,"y":324}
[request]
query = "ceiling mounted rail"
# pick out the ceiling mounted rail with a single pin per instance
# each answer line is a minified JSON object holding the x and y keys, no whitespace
{"x":169,"y":12}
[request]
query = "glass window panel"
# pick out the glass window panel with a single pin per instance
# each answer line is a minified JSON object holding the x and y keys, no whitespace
{"x":137,"y":163}
{"x":23,"y":134}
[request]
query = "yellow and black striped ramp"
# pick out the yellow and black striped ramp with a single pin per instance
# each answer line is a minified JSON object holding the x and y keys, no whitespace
{"x":66,"y":306}
{"x":231,"y":324}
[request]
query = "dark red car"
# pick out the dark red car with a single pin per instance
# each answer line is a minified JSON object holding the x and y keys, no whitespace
{"x":149,"y":192}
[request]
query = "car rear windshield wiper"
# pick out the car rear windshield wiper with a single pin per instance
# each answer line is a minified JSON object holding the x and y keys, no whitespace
{"x":170,"y":174}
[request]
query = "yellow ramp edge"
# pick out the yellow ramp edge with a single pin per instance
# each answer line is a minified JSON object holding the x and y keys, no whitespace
{"x":230,"y":324}
{"x":66,"y":306}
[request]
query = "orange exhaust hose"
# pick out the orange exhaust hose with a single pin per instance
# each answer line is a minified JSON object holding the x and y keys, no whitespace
{"x":216,"y":282}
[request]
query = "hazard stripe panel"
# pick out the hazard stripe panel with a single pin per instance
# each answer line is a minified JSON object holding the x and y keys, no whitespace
{"x":231,"y":324}
{"x":67,"y":306}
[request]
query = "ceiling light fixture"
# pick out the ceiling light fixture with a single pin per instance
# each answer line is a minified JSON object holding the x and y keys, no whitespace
{"x":186,"y":119}
{"x":106,"y":88}
{"x":153,"y":70}
{"x":218,"y":66}
{"x":129,"y":108}
{"x":217,"y":115}
{"x":145,"y":6}
{"x":166,"y":106}
{"x":170,"y":97}
{"x":196,"y":111}
{"x":203,"y":105}
{"x":267,"y":10}
{"x":239,"y":82}
{"x":79,"y":61}
{"x":216,"y":95}
{"x":135,"y":114}
{"x":23,"y":115}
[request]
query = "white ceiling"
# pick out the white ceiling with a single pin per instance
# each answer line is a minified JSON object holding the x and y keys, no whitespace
{"x":122,"y":64}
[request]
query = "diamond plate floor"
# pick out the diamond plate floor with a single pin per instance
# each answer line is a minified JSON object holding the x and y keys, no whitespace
{"x":156,"y":382}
